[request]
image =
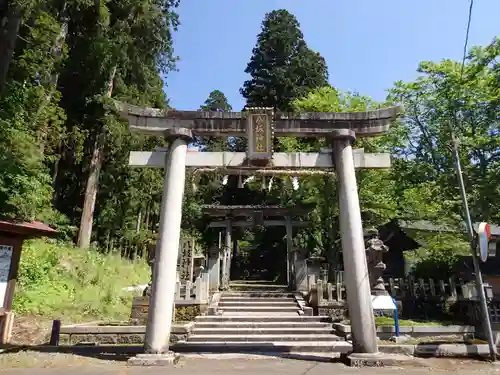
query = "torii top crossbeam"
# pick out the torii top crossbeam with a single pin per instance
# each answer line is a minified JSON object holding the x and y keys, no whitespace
{"x":155,"y":121}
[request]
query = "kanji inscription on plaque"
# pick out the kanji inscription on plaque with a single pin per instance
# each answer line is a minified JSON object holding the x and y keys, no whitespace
{"x":259,"y":132}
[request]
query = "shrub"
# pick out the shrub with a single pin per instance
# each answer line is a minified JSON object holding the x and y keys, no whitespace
{"x":440,"y":257}
{"x":59,"y":281}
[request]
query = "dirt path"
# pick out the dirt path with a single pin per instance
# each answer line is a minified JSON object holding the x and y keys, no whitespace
{"x":30,"y":330}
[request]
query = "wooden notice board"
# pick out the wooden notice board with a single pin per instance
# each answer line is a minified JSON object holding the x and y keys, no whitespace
{"x":12,"y":236}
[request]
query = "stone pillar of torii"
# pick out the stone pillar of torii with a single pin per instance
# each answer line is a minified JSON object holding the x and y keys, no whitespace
{"x":259,"y":125}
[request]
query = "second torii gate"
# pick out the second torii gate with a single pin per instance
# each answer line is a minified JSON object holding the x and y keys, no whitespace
{"x":259,"y":125}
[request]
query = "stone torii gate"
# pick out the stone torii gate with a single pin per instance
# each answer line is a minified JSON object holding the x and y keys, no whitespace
{"x":259,"y":125}
{"x":229,"y":217}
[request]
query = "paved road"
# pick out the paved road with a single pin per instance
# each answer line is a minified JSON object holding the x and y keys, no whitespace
{"x":57,"y":365}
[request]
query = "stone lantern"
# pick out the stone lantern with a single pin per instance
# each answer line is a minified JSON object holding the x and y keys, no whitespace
{"x":375,"y":250}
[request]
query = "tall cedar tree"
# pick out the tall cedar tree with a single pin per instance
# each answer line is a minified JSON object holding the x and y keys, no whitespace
{"x":216,"y":101}
{"x":282,"y":67}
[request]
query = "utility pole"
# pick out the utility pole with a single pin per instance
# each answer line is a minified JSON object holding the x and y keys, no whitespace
{"x":470,"y":231}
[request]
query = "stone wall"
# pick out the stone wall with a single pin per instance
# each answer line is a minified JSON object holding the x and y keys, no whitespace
{"x":185,"y":311}
{"x":386,"y":332}
{"x":337,"y":311}
{"x":179,"y":332}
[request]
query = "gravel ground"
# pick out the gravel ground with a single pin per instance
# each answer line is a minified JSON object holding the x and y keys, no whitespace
{"x":35,"y":363}
{"x":30,"y":330}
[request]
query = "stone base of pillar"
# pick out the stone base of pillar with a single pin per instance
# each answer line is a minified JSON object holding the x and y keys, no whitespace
{"x":376,"y":359}
{"x":165,"y":359}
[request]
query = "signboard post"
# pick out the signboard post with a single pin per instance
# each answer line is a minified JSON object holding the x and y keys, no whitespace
{"x":12,"y":236}
{"x":484,"y":234}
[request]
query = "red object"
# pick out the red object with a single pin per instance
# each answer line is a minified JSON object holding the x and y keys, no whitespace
{"x":484,"y":232}
{"x":487,"y":230}
{"x":33,"y":229}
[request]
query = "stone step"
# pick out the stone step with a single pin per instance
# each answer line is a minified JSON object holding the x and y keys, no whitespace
{"x":258,"y":309}
{"x":257,"y":303}
{"x":268,"y":287}
{"x":261,"y":318}
{"x":263,"y":347}
{"x":282,"y":314}
{"x":262,"y":338}
{"x":252,"y":281}
{"x":257,"y":294}
{"x":220,"y":331}
{"x":256,"y":299}
{"x":257,"y":284}
{"x":258,"y":288}
{"x":262,"y":325}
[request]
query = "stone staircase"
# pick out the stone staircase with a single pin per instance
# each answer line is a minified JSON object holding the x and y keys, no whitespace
{"x":261,"y":319}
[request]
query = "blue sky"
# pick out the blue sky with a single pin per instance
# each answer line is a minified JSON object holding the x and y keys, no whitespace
{"x":367,"y":44}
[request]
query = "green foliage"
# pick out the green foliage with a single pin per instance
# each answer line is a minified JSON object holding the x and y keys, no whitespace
{"x":441,"y":98}
{"x":282,"y":69}
{"x":216,"y":102}
{"x":58,"y":281}
{"x":56,"y":106}
{"x":385,"y":321}
{"x":282,"y":66}
{"x":70,"y":55}
{"x":381,"y":321}
{"x":439,"y":256}
{"x":25,"y":184}
{"x":25,"y":190}
{"x":376,"y":188}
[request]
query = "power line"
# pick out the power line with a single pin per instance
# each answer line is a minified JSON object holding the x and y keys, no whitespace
{"x":466,"y":42}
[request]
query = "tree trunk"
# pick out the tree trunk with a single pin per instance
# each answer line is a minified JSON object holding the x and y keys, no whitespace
{"x":146,"y":223}
{"x":56,"y":51}
{"x":138,"y":223}
{"x":86,"y":222}
{"x":10,"y":22}
{"x":55,"y":172}
{"x":85,"y":232}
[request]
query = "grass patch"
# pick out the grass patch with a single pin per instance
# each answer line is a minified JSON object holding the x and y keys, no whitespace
{"x":59,"y":281}
{"x":385,"y":321}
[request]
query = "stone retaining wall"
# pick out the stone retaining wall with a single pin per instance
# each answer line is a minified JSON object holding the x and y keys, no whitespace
{"x":336,"y":311}
{"x":179,"y":332}
{"x":439,"y":350}
{"x":386,"y":332}
{"x":140,"y":308}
